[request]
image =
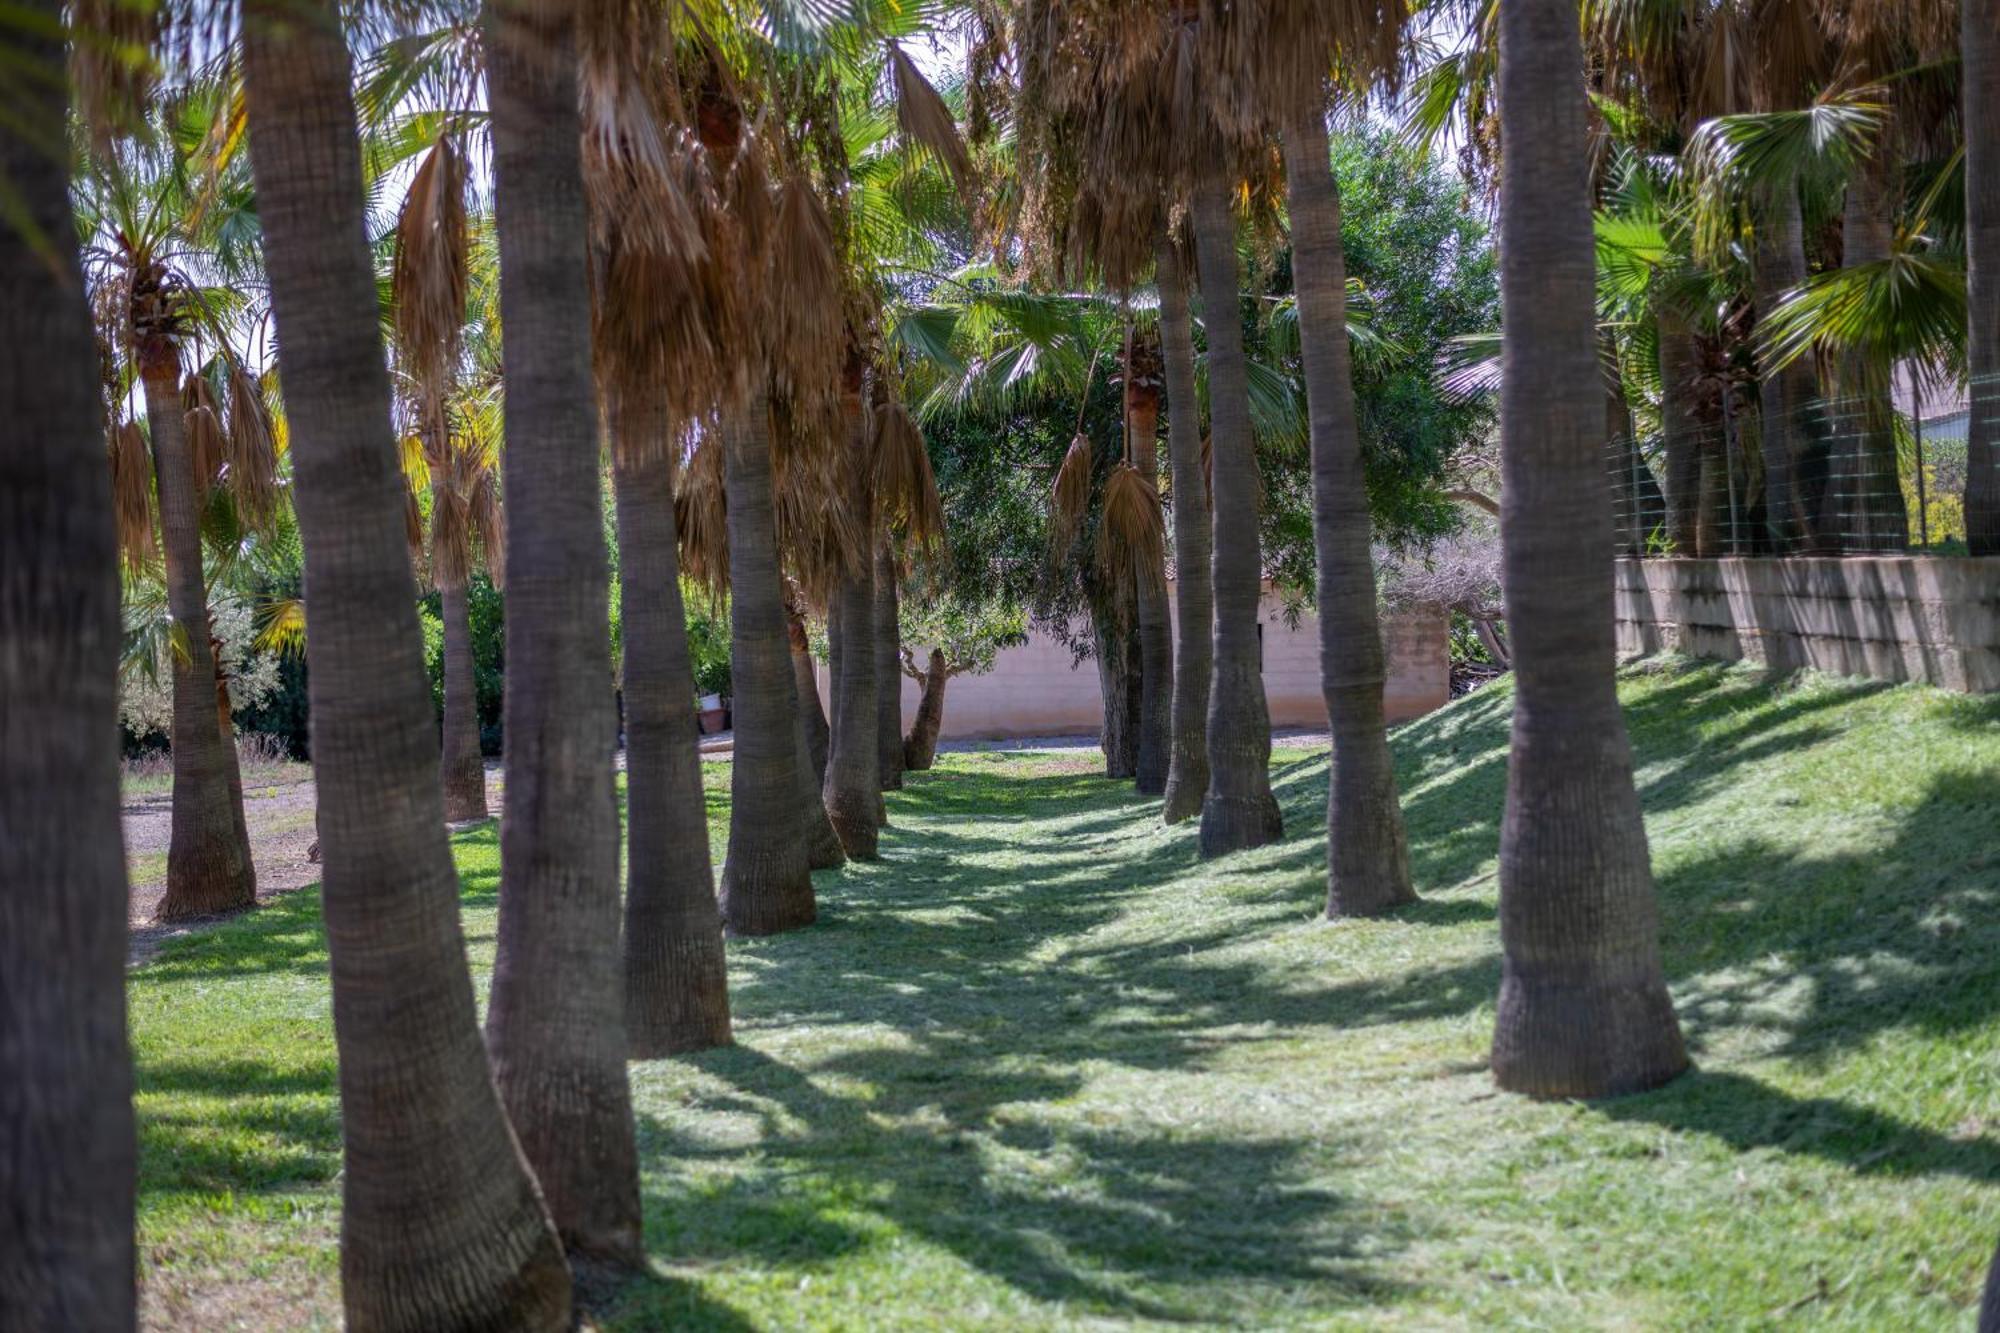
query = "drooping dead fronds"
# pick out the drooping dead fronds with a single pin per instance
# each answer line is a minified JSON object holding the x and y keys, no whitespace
{"x":1132,"y":532}
{"x":1069,"y":497}
{"x":132,"y":494}
{"x":251,"y":448}
{"x":906,"y":493}
{"x":701,"y":515}
{"x":821,"y":536}
{"x":805,"y":296}
{"x":427,"y":277}
{"x":922,"y":114}
{"x":208,"y":444}
{"x":112,"y":67}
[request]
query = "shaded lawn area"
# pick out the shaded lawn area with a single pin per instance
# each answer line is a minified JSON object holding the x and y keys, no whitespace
{"x":1039,"y":1067}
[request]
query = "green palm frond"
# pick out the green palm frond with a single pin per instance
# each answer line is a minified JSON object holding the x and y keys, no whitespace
{"x":1910,"y":306}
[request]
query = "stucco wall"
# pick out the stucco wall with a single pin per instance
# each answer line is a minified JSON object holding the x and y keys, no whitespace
{"x":1038,"y":690}
{"x":1898,"y":618}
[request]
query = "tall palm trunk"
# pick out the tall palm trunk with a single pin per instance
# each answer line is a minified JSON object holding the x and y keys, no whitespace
{"x":441,"y":1224}
{"x":888,"y":669}
{"x":1866,"y":490}
{"x":1979,"y":64}
{"x":1638,"y":505}
{"x":1111,"y":627}
{"x":676,"y":977}
{"x":557,"y":1020}
{"x":805,"y":679}
{"x":66,"y":1251}
{"x":766,"y":882}
{"x":852,"y":790}
{"x":208,"y":856}
{"x":462,"y":768}
{"x":1681,"y":427}
{"x":1187,"y":764}
{"x":1238,"y":810}
{"x":1583,"y":1008}
{"x":1784,"y":397}
{"x":1368,"y":855}
{"x":1155,"y":624}
{"x":823,"y":849}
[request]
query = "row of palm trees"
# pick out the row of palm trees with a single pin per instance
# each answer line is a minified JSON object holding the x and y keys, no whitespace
{"x":676,"y":216}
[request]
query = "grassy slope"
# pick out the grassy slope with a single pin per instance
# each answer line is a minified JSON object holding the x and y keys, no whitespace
{"x":1040,"y":1068}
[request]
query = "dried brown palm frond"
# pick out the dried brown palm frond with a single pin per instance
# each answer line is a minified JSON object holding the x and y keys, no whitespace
{"x":489,"y":520}
{"x":805,"y":294}
{"x":922,"y":114}
{"x":1069,"y":497}
{"x":132,"y":494}
{"x":1263,"y":61}
{"x":251,"y":448}
{"x":112,"y":67}
{"x":1132,"y":532}
{"x":820,"y":535}
{"x":208,"y":443}
{"x":906,"y":493}
{"x":413,"y":527}
{"x":636,"y":151}
{"x":427,"y":275}
{"x":701,"y":516}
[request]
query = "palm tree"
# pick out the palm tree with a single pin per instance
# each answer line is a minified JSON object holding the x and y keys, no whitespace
{"x":1583,"y":1009}
{"x":1238,"y":810}
{"x":1368,"y":860}
{"x":67,"y":1258}
{"x":556,"y":1022}
{"x":1154,"y":624}
{"x":441,"y":1223}
{"x":1187,"y":768}
{"x":887,"y":642}
{"x":852,"y":788}
{"x":1979,"y":60}
{"x":147,"y":250}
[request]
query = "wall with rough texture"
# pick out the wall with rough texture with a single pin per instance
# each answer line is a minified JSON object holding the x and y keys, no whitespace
{"x":1922,"y":618}
{"x":1038,"y":689}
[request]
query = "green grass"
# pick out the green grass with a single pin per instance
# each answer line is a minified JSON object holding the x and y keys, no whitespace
{"x":1040,"y":1067}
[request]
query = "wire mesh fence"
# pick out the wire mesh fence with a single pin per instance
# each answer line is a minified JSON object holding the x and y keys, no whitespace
{"x":1837,"y":476}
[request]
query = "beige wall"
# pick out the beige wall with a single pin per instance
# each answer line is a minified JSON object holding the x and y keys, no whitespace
{"x":1923,"y":618}
{"x":1038,"y":690}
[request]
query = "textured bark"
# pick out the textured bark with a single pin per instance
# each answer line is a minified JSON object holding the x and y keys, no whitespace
{"x":805,"y":680}
{"x":66,"y":1134}
{"x":1238,"y":810}
{"x":766,"y":882}
{"x":1155,"y":625}
{"x":1864,"y":501}
{"x":888,"y":679}
{"x":442,"y":1226}
{"x":556,"y":1025}
{"x":1682,"y":428}
{"x":1583,"y":1009}
{"x":1979,"y":63}
{"x":1368,"y":856}
{"x":1785,"y":397}
{"x":823,"y":849}
{"x":1187,"y":764}
{"x":463,"y":770}
{"x":208,"y":854}
{"x":676,"y":976}
{"x":1119,"y":737}
{"x":920,"y":746}
{"x":852,"y":790}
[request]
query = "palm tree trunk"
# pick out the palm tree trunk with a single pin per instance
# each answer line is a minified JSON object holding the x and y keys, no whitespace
{"x":556,"y":1024}
{"x":208,"y":856}
{"x":66,"y":1250}
{"x":920,"y":746}
{"x":676,"y":976}
{"x":1187,"y":764}
{"x":1683,"y":436}
{"x":1784,"y":398}
{"x":1155,"y":624}
{"x":1238,"y":810}
{"x":852,"y":790}
{"x":464,"y":772}
{"x":1583,"y":1008}
{"x":805,"y":679}
{"x":1368,"y":855}
{"x":1867,"y":487}
{"x":766,"y":883}
{"x":1119,"y":739}
{"x":441,"y":1223}
{"x":888,"y":669}
{"x":823,"y":849}
{"x":1979,"y":63}
{"x":1639,"y":506}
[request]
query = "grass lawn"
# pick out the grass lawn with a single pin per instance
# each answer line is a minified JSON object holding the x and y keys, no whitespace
{"x":1040,"y":1067}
